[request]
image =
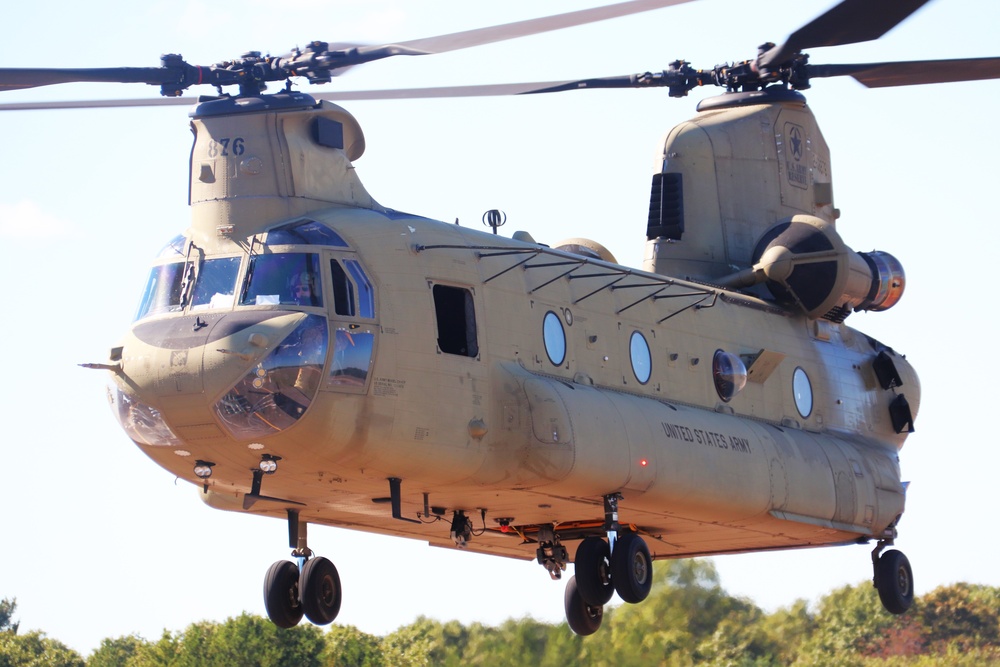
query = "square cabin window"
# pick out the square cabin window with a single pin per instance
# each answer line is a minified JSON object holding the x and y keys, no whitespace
{"x":456,"y":321}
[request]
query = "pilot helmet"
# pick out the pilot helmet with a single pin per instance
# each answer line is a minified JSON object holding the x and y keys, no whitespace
{"x":302,"y":279}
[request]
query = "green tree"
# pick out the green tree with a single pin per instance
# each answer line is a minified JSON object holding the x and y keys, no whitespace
{"x":346,"y":646}
{"x":247,"y":640}
{"x":682,"y":613}
{"x":562,"y":647}
{"x":788,"y":628}
{"x":116,"y":652}
{"x":34,"y":649}
{"x":739,"y":640}
{"x":524,"y":641}
{"x":430,"y":642}
{"x":966,"y":615}
{"x":687,"y":620}
{"x":411,"y":645}
{"x":7,"y":609}
{"x":252,"y":641}
{"x":451,"y":643}
{"x":161,"y":653}
{"x":850,"y":625}
{"x":514,"y":643}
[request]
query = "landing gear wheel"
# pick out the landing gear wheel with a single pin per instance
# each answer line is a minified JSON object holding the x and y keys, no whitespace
{"x":584,"y":619}
{"x":281,"y":594}
{"x":894,"y":581}
{"x":320,"y":590}
{"x":631,"y":568}
{"x":593,"y":571}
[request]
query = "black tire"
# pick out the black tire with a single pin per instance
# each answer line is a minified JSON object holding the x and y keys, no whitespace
{"x":631,"y":568}
{"x":593,"y":571}
{"x":894,"y":581}
{"x":320,"y":590}
{"x":281,"y":594}
{"x":583,"y":619}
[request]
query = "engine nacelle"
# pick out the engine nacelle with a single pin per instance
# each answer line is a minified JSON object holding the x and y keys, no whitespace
{"x":805,"y":262}
{"x":586,"y":248}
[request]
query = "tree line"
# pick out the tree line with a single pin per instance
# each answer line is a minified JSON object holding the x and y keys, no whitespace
{"x":687,"y":620}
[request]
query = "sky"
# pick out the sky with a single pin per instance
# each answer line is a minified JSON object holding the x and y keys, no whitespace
{"x":97,"y":541}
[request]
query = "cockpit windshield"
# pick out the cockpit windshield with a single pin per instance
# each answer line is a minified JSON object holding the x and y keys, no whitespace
{"x":305,"y":232}
{"x":184,"y":279}
{"x":286,"y":278}
{"x":171,"y":285}
{"x":216,"y":283}
{"x":163,"y":290}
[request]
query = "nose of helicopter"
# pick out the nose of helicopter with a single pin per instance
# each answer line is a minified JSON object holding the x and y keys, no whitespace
{"x":205,"y":375}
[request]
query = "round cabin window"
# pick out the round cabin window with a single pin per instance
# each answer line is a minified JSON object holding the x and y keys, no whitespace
{"x":802,"y":391}
{"x":642,"y":363}
{"x":555,"y":338}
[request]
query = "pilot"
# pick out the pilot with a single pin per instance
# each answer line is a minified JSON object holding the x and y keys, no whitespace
{"x":303,"y":289}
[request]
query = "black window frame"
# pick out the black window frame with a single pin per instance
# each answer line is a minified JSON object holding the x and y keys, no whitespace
{"x":455,"y":316}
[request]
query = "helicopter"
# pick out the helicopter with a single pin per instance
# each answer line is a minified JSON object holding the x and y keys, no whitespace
{"x":591,"y":367}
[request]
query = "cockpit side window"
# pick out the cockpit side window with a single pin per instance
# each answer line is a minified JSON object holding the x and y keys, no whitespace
{"x":347,"y":302}
{"x":366,"y":295}
{"x":343,"y":290}
{"x":287,"y":278}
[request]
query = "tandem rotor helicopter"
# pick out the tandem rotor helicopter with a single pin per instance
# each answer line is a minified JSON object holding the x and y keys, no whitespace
{"x":306,"y":353}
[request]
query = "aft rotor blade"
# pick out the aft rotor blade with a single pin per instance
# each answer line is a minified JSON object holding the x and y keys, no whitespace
{"x":849,"y":22}
{"x":626,"y":81}
{"x":18,"y":78}
{"x":912,"y":73}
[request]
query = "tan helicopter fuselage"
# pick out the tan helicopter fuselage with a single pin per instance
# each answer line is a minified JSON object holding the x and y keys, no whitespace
{"x":516,"y":383}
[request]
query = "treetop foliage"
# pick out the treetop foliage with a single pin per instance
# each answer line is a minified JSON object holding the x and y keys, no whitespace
{"x":687,"y":620}
{"x":7,"y":609}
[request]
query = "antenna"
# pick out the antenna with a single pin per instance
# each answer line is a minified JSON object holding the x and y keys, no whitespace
{"x":494,"y":218}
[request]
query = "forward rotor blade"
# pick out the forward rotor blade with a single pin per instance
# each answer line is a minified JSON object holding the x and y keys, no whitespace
{"x":19,"y":78}
{"x":480,"y":36}
{"x":481,"y":90}
{"x":100,"y":104}
{"x":850,"y":22}
{"x":484,"y":90}
{"x":872,"y":75}
{"x":912,"y":73}
{"x":477,"y":37}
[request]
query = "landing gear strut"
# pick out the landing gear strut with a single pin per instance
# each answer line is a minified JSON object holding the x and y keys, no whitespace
{"x":551,"y":554}
{"x":893,"y":578}
{"x":621,"y":564}
{"x":310,"y":586}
